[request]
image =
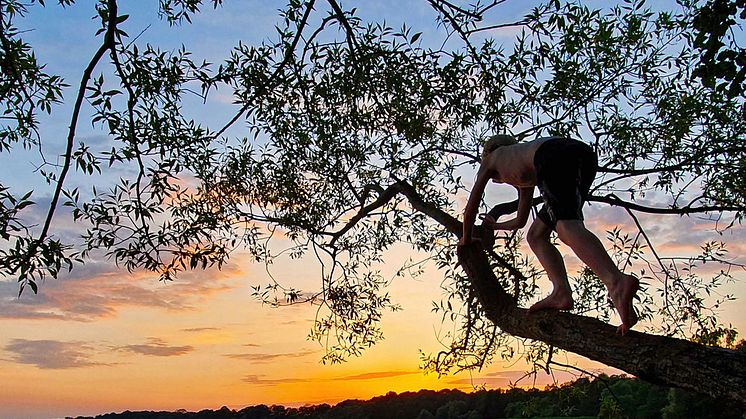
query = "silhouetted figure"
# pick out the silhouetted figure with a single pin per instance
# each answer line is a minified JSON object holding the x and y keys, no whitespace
{"x":563,"y":169}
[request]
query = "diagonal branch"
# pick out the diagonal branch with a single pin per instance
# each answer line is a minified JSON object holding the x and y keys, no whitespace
{"x":418,"y":203}
{"x":446,"y":220}
{"x":109,"y":39}
{"x":349,"y":33}
{"x":383,"y":198}
{"x":499,"y":26}
{"x":461,"y":10}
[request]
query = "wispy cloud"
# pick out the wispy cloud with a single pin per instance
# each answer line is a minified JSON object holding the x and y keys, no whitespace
{"x":156,"y":347}
{"x":257,"y":379}
{"x":52,"y":354}
{"x":260,"y":380}
{"x":100,"y":289}
{"x":265,"y":357}
{"x":672,"y":236}
{"x":376,"y":375}
{"x":200,"y":329}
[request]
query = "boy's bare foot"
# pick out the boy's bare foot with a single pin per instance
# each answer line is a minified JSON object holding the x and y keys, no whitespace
{"x":623,"y":295}
{"x":557,"y":300}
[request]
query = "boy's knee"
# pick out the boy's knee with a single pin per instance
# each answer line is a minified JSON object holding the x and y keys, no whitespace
{"x":568,"y":229}
{"x":537,"y":235}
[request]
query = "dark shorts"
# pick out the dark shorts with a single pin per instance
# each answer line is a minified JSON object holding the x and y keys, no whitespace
{"x":565,"y":170}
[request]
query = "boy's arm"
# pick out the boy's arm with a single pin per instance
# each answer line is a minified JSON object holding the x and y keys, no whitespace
{"x":525,"y":200}
{"x":470,"y":212}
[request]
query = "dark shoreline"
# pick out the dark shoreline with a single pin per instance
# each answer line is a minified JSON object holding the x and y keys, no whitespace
{"x":616,"y":396}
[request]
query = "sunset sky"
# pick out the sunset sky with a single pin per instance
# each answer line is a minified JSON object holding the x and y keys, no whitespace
{"x":100,"y":339}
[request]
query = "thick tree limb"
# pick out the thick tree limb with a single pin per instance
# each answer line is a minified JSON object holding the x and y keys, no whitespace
{"x":386,"y":195}
{"x":717,"y":372}
{"x":443,"y":218}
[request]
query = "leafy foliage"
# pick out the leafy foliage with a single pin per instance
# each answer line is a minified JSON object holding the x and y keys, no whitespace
{"x":722,"y":59}
{"x":356,"y":135}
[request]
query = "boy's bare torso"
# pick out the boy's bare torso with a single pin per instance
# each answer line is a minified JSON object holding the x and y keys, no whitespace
{"x":514,"y":164}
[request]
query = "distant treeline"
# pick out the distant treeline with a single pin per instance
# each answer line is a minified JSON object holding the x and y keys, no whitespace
{"x":604,"y":397}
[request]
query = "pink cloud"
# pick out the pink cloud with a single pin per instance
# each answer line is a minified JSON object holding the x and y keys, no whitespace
{"x":52,"y":354}
{"x":258,"y":379}
{"x":100,"y":289}
{"x":265,"y":357}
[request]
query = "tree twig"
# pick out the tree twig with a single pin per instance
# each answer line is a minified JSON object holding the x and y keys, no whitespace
{"x":500,"y":26}
{"x":612,"y":199}
{"x":272,"y":78}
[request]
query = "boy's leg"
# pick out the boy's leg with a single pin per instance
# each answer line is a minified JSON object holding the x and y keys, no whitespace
{"x":551,"y":260}
{"x":588,"y":248}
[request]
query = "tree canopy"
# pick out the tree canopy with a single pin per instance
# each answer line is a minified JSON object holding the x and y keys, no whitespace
{"x":354,"y":137}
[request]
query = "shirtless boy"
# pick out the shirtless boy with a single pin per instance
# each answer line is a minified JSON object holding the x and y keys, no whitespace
{"x":563,"y":170}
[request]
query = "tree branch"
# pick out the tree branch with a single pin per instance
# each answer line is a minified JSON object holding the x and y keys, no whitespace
{"x":109,"y":39}
{"x":350,"y":34}
{"x":500,"y":26}
{"x":658,"y":359}
{"x":461,"y":10}
{"x":456,"y":27}
{"x":384,"y":197}
{"x":131,"y":101}
{"x":272,"y":79}
{"x":446,"y":220}
{"x":612,"y":199}
{"x":418,"y":203}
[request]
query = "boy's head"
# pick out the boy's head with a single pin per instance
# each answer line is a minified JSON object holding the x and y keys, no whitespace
{"x":497,"y":141}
